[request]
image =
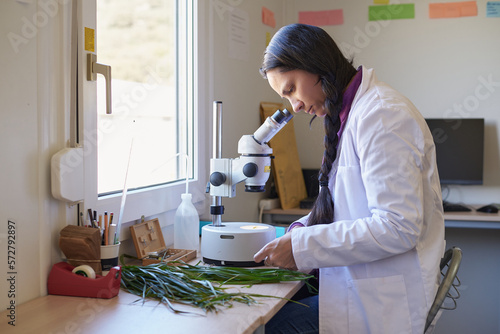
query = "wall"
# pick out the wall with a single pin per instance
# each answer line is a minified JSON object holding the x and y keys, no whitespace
{"x":32,"y":129}
{"x":447,"y":67}
{"x":20,"y":207}
{"x":238,"y":84}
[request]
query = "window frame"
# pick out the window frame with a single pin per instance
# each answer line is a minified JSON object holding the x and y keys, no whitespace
{"x":153,"y":200}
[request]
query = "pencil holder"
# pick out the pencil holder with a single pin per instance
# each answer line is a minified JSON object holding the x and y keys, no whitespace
{"x":109,"y":257}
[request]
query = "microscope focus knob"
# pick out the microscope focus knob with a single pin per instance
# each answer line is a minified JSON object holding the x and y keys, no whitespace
{"x":250,"y":169}
{"x":217,"y":178}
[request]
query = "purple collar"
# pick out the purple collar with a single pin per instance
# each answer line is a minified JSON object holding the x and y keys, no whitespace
{"x":347,"y":99}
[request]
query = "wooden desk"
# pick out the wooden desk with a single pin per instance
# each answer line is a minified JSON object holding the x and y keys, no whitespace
{"x":472,"y":219}
{"x":61,"y":314}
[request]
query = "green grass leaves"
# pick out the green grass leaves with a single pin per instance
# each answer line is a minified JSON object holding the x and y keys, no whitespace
{"x":193,"y":284}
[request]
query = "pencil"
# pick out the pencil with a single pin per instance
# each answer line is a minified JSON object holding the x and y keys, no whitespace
{"x":111,"y":235}
{"x":101,"y":227}
{"x":106,"y":228}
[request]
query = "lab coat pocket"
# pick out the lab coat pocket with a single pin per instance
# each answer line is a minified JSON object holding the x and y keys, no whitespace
{"x":378,"y":305}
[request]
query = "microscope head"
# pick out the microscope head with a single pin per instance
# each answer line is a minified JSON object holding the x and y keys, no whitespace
{"x":257,"y":154}
{"x":254,"y":164}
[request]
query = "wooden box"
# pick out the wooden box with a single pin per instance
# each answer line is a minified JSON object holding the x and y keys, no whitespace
{"x":148,"y":238}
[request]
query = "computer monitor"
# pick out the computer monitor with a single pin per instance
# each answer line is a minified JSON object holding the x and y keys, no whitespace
{"x":459,"y":149}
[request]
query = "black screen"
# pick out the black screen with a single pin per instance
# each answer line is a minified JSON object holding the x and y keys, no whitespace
{"x":459,"y":149}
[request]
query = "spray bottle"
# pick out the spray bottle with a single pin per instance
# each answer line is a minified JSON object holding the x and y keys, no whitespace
{"x":187,"y":223}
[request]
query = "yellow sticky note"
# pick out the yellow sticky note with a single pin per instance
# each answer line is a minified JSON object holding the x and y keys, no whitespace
{"x":89,"y":39}
{"x":268,"y":38}
{"x":380,"y":2}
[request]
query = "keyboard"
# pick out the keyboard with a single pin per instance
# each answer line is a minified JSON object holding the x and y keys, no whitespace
{"x":453,"y":207}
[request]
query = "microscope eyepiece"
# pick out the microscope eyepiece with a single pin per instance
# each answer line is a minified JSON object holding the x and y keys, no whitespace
{"x":280,"y":116}
{"x":271,"y":126}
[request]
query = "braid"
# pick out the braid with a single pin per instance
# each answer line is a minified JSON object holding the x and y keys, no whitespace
{"x":322,"y":211}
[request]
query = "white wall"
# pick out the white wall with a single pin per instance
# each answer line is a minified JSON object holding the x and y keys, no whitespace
{"x":19,"y":133}
{"x":31,"y":130}
{"x":238,"y":84}
{"x":440,"y":64}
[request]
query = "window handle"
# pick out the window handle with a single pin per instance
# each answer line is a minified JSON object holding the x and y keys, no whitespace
{"x":93,"y":68}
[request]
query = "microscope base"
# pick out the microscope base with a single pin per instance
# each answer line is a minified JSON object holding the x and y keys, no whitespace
{"x":234,"y":244}
{"x":222,"y":263}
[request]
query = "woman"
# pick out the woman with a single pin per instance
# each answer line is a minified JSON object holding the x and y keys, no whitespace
{"x":376,"y":231}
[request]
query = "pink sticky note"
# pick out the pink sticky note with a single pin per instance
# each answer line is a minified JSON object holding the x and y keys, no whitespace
{"x":322,"y":17}
{"x":268,"y":17}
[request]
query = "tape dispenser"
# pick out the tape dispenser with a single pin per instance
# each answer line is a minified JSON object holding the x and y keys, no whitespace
{"x":64,"y":281}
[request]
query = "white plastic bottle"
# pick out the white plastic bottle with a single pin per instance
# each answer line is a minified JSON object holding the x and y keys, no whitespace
{"x":187,"y":225}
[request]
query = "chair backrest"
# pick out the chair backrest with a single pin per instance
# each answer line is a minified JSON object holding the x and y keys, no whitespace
{"x":451,"y":260}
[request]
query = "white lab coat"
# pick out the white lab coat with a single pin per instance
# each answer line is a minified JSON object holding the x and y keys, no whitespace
{"x":379,"y":259}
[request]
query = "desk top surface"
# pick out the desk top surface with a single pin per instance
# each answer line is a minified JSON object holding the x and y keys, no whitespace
{"x":62,"y":314}
{"x":463,"y":216}
{"x":472,"y":216}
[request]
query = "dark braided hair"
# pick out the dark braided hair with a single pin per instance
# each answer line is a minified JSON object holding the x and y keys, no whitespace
{"x":309,"y":48}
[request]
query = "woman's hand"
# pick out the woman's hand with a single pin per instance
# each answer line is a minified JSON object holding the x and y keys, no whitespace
{"x":278,"y":253}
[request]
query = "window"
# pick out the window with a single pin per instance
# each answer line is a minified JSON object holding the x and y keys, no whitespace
{"x":152,"y":130}
{"x":149,"y":124}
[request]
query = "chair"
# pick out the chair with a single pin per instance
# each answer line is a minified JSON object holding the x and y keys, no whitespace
{"x":451,"y":260}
